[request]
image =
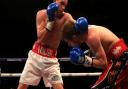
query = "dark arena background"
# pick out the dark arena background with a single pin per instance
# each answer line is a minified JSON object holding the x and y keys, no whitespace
{"x":18,"y":33}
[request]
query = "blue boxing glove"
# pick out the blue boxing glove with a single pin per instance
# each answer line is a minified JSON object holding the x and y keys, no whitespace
{"x":81,"y":25}
{"x":51,"y":10}
{"x":78,"y":57}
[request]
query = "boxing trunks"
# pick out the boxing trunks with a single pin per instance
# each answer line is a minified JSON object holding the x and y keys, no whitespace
{"x":41,"y":63}
{"x":110,"y":77}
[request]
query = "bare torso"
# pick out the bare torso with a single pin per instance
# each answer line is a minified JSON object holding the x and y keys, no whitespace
{"x":100,"y":38}
{"x":52,"y":38}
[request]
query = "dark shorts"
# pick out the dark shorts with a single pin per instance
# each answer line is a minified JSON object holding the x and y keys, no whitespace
{"x":116,"y":74}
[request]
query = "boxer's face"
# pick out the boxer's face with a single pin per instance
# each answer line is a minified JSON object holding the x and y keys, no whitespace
{"x":75,"y":41}
{"x":62,"y":5}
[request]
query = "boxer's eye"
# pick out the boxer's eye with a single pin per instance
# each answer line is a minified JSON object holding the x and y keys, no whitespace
{"x":62,"y":3}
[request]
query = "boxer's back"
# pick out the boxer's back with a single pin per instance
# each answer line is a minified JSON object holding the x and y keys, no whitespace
{"x":107,"y":37}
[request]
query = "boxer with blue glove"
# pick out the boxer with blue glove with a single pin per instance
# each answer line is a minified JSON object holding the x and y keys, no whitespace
{"x":111,"y":53}
{"x":44,"y":63}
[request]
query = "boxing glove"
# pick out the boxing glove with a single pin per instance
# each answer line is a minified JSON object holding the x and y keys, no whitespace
{"x":51,"y":9}
{"x":78,"y":57}
{"x":81,"y":25}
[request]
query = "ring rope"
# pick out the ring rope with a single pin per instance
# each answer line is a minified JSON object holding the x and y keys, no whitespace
{"x":24,"y":59}
{"x":60,"y":59}
{"x":63,"y":74}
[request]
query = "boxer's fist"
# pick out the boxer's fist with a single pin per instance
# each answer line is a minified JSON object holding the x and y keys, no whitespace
{"x":81,"y":24}
{"x":78,"y":57}
{"x":51,"y":9}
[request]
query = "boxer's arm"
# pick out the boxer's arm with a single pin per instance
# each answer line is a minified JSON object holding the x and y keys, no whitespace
{"x":100,"y":60}
{"x":79,"y":25}
{"x":69,"y":23}
{"x":42,"y":27}
{"x":71,"y":19}
{"x":40,"y":23}
{"x":51,"y":10}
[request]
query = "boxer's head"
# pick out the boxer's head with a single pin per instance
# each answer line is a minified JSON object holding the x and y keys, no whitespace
{"x":62,"y":5}
{"x":71,"y":36}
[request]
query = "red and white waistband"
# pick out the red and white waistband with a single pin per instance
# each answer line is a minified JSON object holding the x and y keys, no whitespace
{"x":44,"y":51}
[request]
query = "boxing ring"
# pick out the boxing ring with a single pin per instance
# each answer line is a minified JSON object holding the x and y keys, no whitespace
{"x":15,"y":75}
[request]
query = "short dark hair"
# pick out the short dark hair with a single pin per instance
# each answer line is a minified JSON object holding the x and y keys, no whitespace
{"x":69,"y":31}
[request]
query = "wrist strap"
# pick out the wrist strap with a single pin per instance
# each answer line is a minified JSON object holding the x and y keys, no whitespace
{"x":88,"y":61}
{"x":49,"y":25}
